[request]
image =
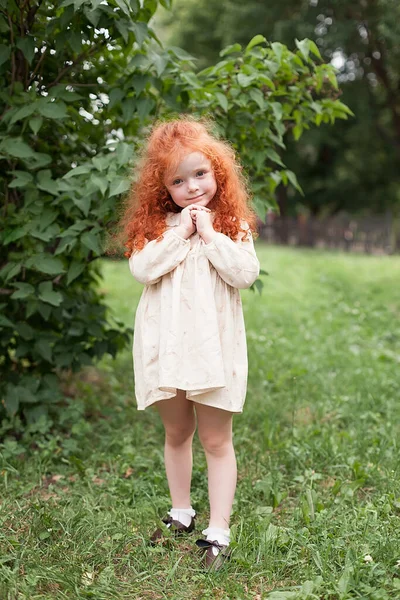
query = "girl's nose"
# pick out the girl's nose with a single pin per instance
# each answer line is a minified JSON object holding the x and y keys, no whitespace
{"x":192,"y":185}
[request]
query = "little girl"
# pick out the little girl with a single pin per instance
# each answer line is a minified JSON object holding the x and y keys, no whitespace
{"x":188,"y":229}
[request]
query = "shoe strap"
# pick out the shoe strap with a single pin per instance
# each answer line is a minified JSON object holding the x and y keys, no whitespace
{"x":208,"y":544}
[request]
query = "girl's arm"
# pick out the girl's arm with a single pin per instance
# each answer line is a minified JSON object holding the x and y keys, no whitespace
{"x":236,"y":262}
{"x":159,"y":257}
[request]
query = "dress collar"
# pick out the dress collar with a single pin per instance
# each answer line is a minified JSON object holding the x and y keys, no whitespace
{"x":173,"y":219}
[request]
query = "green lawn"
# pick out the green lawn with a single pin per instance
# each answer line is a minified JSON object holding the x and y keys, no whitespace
{"x":317,"y":509}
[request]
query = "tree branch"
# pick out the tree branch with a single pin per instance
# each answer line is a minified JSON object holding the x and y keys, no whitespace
{"x":37,"y":67}
{"x":31,"y":14}
{"x":12,"y":53}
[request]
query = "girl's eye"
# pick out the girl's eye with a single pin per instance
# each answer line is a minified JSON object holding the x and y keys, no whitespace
{"x":176,"y":181}
{"x":200,"y":173}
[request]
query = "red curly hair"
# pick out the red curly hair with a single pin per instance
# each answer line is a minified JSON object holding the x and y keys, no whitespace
{"x":148,"y":202}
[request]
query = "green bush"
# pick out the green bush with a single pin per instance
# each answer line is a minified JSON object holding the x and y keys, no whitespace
{"x":78,"y":81}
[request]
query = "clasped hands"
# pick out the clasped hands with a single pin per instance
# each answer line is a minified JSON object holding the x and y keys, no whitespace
{"x":197,"y":218}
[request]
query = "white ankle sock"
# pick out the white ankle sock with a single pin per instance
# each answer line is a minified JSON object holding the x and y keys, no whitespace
{"x":183,"y":515}
{"x":222,"y":536}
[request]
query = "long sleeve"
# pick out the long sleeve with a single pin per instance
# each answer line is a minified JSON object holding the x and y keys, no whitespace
{"x":236,"y":262}
{"x":158,"y":258}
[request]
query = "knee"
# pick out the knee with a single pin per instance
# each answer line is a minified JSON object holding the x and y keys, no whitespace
{"x":216,"y":444}
{"x":179,"y":434}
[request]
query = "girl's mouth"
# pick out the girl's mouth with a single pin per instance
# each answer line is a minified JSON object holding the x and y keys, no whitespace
{"x":196,"y":198}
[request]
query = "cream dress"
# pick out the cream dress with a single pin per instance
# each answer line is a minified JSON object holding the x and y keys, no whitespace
{"x":189,"y":329}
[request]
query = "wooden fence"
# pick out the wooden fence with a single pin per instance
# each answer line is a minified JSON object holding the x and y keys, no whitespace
{"x":372,"y":235}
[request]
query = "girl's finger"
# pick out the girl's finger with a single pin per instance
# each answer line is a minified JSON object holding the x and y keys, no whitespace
{"x":195,"y":207}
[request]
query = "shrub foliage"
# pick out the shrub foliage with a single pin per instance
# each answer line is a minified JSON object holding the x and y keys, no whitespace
{"x":79,"y":79}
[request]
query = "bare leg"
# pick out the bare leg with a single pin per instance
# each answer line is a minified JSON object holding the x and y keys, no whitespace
{"x":215,"y":433}
{"x":179,"y":421}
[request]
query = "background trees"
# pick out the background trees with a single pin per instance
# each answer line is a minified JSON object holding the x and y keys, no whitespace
{"x":353,"y":166}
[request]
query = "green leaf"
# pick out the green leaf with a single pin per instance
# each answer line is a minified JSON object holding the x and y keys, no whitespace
{"x":44,"y":349}
{"x":258,"y":285}
{"x":46,"y":183}
{"x":83,"y":204}
{"x":297,"y":131}
{"x":123,"y":27}
{"x":192,"y":80}
{"x":17,"y":147}
{"x":333,"y":80}
{"x":5,"y":53}
{"x":276,"y":177}
{"x":31,"y":307}
{"x":27,"y":45}
{"x":4,"y":322}
{"x":49,"y":233}
{"x":277,"y":49}
{"x":22,"y":179}
{"x":25,"y":330}
{"x":233,"y":48}
{"x":100,"y":182}
{"x":26,"y":392}
{"x":245,"y":80}
{"x":180,"y":53}
{"x":16,"y":234}
{"x":222,"y":101}
{"x":46,"y":264}
{"x":293,"y":180}
{"x":75,"y":269}
{"x":119,"y":185}
{"x":123,"y":153}
{"x":75,"y":229}
{"x":102,"y":162}
{"x":91,"y":241}
{"x":140,"y":30}
{"x":277,"y":110}
{"x":304,"y":47}
{"x":115,"y":95}
{"x":143,"y":106}
{"x":75,"y":41}
{"x":40,"y":160}
{"x":23,"y":290}
{"x":255,"y":41}
{"x":83,"y":169}
{"x":314,"y":48}
{"x":340,"y":106}
{"x":267,"y":81}
{"x":66,"y":244}
{"x":316,"y":107}
{"x":47,"y":294}
{"x":274,"y":156}
{"x":123,"y":6}
{"x":258,"y":97}
{"x":53,"y":110}
{"x":259,"y":207}
{"x":60,"y":91}
{"x":12,"y":399}
{"x":44,"y":309}
{"x":10,"y":270}
{"x":25,"y":111}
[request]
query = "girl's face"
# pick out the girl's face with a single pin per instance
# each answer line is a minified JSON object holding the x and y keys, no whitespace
{"x":193,"y":181}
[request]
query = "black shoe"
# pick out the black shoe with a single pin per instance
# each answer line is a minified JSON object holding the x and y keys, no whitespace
{"x":176,"y":527}
{"x":215,"y":554}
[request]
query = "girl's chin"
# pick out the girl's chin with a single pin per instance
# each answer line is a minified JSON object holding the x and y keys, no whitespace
{"x":201,"y":201}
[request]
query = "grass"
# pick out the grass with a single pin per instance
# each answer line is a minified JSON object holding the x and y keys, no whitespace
{"x":317,"y":508}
